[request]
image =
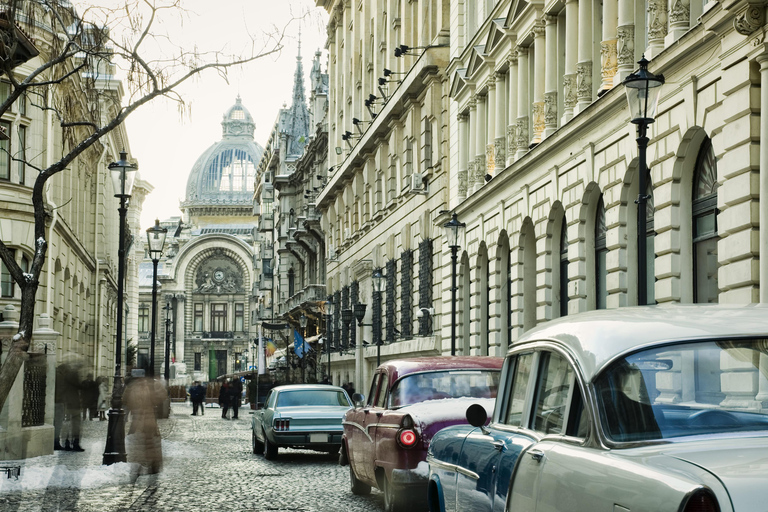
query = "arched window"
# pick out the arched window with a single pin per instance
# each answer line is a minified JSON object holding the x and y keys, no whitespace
{"x":601,"y":254}
{"x":705,"y":237}
{"x":650,"y":247}
{"x":529,"y":275}
{"x":563,"y":278}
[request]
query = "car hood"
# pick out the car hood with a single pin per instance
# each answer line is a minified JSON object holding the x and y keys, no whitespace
{"x":434,"y":415}
{"x":740,"y":464}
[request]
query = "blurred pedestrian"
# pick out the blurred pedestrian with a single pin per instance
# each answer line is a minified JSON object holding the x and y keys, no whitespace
{"x":235,"y":396}
{"x":142,"y":396}
{"x":67,"y":408}
{"x":89,"y":397}
{"x":197,"y":396}
{"x":103,"y":404}
{"x":224,"y":399}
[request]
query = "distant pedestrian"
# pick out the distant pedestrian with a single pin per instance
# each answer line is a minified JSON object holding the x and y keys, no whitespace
{"x":235,"y":396}
{"x":224,"y":399}
{"x":197,"y":396}
{"x":142,"y":397}
{"x":350,"y":388}
{"x":103,"y":404}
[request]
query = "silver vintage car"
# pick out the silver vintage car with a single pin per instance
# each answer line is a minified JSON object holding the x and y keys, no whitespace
{"x":661,"y":408}
{"x":304,"y":416}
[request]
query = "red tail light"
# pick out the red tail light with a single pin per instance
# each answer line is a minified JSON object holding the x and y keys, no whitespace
{"x":702,"y":501}
{"x":282,"y":425}
{"x":407,"y":438}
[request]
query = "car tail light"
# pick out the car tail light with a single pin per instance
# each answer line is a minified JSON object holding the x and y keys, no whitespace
{"x":407,"y":436}
{"x":702,"y":501}
{"x":282,"y":425}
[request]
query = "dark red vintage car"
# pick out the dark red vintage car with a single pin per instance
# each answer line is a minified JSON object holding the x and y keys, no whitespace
{"x":386,"y":437}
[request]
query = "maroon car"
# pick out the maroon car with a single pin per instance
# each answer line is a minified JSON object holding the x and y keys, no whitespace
{"x":386,"y":437}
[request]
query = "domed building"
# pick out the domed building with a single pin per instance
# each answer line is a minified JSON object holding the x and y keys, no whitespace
{"x":206,"y":272}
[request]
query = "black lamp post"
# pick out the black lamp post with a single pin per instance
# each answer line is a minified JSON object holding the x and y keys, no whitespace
{"x":156,"y":241}
{"x":454,"y":234}
{"x":303,"y":325}
{"x":329,"y":333}
{"x":123,"y":174}
{"x":379,"y":282}
{"x":167,"y":309}
{"x":643,"y":89}
{"x":346,"y":318}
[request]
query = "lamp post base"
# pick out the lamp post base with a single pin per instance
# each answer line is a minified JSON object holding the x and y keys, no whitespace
{"x":114,"y":450}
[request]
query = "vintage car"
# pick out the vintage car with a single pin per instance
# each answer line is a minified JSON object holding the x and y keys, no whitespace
{"x":386,"y":437}
{"x":660,"y":408}
{"x":304,"y":416}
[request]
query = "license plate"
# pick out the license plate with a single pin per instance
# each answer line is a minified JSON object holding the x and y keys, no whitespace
{"x":318,"y":438}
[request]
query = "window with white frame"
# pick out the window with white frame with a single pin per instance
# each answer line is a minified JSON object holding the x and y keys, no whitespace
{"x":705,"y":237}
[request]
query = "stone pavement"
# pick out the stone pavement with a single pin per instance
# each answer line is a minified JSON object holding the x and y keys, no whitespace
{"x":207,"y":466}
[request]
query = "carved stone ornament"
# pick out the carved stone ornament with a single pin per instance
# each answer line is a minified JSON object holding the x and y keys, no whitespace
{"x":625,"y":46}
{"x":550,"y":109}
{"x":500,"y":150}
{"x":471,"y":175}
{"x":569,"y":91}
{"x":512,"y":139}
{"x":538,"y":121}
{"x":218,"y":276}
{"x":522,"y":133}
{"x":750,"y":20}
{"x":584,"y":81}
{"x":512,"y":58}
{"x":462,"y":184}
{"x":490,"y":158}
{"x":609,"y":63}
{"x":680,"y":14}
{"x":479,"y":171}
{"x":657,"y":19}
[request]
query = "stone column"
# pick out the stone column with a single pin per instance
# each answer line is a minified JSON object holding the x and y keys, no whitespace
{"x":571,"y":44}
{"x":550,"y":77}
{"x":584,"y":65}
{"x":679,"y":20}
{"x":763,"y":187}
{"x":490,"y":140}
{"x":608,"y":59}
{"x":481,"y":138}
{"x":625,"y":44}
{"x":463,"y":120}
{"x":501,"y":123}
{"x":540,"y":69}
{"x":522,"y":101}
{"x":181,"y":324}
{"x":657,"y":27}
{"x":472,"y":144}
{"x":512,"y":84}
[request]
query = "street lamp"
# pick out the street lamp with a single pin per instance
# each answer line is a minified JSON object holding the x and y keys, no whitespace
{"x":643,"y":89}
{"x":123,"y":174}
{"x":346,"y":318}
{"x":303,"y":324}
{"x":156,"y":241}
{"x":359,"y":312}
{"x":167,"y":309}
{"x":454,"y":234}
{"x":379,"y":282}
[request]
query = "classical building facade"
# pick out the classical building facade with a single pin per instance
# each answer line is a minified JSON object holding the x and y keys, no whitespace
{"x":207,"y":269}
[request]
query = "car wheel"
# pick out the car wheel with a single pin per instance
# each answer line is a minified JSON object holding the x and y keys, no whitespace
{"x":358,"y":488}
{"x":270,"y":450}
{"x":392,"y":502}
{"x":258,"y":446}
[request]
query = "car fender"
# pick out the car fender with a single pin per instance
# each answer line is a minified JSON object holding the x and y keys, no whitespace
{"x":343,"y":458}
{"x":435,"y":495}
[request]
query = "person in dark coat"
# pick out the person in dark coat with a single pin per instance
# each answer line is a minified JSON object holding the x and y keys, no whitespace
{"x":197,"y":396}
{"x":235,"y":396}
{"x":224,"y":399}
{"x":66,"y":422}
{"x":89,"y":397}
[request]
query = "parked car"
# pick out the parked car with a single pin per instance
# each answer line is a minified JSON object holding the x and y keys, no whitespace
{"x":642,"y":409}
{"x":299,"y":416}
{"x":386,"y":437}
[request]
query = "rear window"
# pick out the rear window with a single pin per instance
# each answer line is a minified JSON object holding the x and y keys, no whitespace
{"x":312,"y":397}
{"x":420,"y":387}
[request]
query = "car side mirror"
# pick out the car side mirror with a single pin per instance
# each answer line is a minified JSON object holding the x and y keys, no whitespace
{"x":476,"y":415}
{"x":358,"y":399}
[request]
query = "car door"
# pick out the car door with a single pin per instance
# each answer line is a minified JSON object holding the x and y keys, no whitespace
{"x":361,"y":447}
{"x":488,"y":456}
{"x":554,"y":416}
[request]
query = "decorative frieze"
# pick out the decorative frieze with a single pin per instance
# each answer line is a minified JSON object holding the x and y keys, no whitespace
{"x":680,"y":13}
{"x":569,"y":91}
{"x":490,"y":158}
{"x":470,"y":176}
{"x":511,"y":139}
{"x":479,"y":171}
{"x":608,"y":63}
{"x":657,"y":20}
{"x":584,"y":81}
{"x":538,"y":121}
{"x":522,"y":134}
{"x":625,"y":46}
{"x":550,"y":110}
{"x":462,"y":184}
{"x":750,"y":20}
{"x":500,"y":151}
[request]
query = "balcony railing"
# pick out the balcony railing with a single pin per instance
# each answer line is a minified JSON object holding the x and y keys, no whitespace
{"x":310,"y":293}
{"x":218,"y":335}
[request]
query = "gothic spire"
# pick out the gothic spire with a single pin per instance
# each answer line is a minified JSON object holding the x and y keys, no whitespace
{"x":298,"y":115}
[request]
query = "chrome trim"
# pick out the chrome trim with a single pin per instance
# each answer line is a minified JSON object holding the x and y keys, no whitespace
{"x":432,"y":461}
{"x":365,"y":430}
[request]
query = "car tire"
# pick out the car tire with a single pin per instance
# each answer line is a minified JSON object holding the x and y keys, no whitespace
{"x":270,"y":450}
{"x":333,"y":453}
{"x":392,"y":502}
{"x":258,"y":446}
{"x":357,"y":487}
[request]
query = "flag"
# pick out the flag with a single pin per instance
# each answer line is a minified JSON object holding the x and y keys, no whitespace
{"x":262,"y":362}
{"x":271,"y":347}
{"x":300,"y":347}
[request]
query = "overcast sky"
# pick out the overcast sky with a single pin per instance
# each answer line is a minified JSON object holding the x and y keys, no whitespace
{"x":167,"y":144}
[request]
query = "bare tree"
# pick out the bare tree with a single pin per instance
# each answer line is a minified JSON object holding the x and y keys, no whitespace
{"x":76,"y":50}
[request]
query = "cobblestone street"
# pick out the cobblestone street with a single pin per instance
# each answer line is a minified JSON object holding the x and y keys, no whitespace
{"x":208,"y":465}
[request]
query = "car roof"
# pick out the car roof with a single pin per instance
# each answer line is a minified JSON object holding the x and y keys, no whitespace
{"x":400,"y":367}
{"x":306,"y":387}
{"x":596,"y":338}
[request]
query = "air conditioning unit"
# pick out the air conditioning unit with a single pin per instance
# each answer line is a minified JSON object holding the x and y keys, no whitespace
{"x":416,"y":184}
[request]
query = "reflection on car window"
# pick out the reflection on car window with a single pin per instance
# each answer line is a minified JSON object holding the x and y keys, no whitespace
{"x":519,"y":387}
{"x":707,"y":387}
{"x":374,"y":385}
{"x":419,"y":387}
{"x":312,"y":397}
{"x":382,"y":396}
{"x":554,"y":383}
{"x":271,"y":399}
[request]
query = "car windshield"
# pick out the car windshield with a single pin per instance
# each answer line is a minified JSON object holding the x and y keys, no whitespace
{"x":419,"y":387}
{"x":310,"y":397}
{"x":707,"y":387}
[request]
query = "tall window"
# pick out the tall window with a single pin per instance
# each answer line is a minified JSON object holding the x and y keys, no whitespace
{"x":198,"y":317}
{"x":198,"y":361}
{"x":601,"y":255}
{"x":239,"y":317}
{"x":6,"y":281}
{"x":291,"y":282}
{"x":218,"y":317}
{"x":143,"y":318}
{"x":22,"y":154}
{"x":563,"y":282}
{"x":705,"y":237}
{"x":5,"y":152}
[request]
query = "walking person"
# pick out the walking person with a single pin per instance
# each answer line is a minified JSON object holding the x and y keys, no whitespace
{"x":197,"y":396}
{"x":224,"y":399}
{"x":142,"y":397}
{"x":235,"y":396}
{"x":67,"y":409}
{"x":89,"y":397}
{"x":103,"y":402}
